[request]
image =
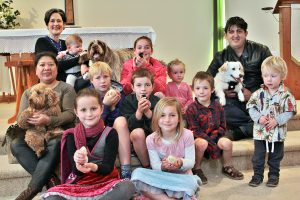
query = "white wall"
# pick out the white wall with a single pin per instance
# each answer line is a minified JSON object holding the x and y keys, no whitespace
{"x":262,"y":26}
{"x":184,"y":28}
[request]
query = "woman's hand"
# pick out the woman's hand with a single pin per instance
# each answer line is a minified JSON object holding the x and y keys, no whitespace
{"x":84,"y":69}
{"x":39,"y":119}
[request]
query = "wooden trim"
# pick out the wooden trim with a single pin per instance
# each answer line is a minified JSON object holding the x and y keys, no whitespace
{"x":69,"y":8}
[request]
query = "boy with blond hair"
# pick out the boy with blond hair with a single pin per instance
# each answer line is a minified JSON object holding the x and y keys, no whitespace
{"x":270,"y":107}
{"x":111,"y":94}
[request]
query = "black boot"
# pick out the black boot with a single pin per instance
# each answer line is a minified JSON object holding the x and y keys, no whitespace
{"x":53,"y":181}
{"x":27,"y":194}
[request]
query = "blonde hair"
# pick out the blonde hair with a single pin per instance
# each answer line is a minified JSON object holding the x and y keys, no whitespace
{"x":73,"y":38}
{"x":174,"y":62}
{"x":275,"y":63}
{"x":99,"y":68}
{"x":158,"y":110}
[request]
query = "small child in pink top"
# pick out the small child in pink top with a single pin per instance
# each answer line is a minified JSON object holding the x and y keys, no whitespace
{"x":176,"y":88}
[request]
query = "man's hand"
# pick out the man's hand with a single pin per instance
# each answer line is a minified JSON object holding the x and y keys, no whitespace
{"x":247,"y":94}
{"x":230,"y":93}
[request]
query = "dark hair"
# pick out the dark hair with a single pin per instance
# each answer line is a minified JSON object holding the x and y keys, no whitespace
{"x":204,"y":76}
{"x":43,"y":54}
{"x":238,"y":21}
{"x":54,"y":10}
{"x":143,"y":38}
{"x":86,"y":92}
{"x":140,"y":73}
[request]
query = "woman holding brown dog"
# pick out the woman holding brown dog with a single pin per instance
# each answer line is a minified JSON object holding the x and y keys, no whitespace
{"x":42,"y":169}
{"x":55,"y":20}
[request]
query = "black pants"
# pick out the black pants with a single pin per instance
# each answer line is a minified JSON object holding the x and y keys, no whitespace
{"x":237,"y":117}
{"x":274,"y":158}
{"x":40,"y":169}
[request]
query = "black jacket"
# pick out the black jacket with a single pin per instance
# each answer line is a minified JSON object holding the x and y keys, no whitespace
{"x":251,"y":58}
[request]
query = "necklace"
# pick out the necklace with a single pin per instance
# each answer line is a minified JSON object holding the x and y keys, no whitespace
{"x":57,"y":45}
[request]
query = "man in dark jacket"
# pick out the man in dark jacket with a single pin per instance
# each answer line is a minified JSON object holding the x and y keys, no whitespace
{"x":251,"y":55}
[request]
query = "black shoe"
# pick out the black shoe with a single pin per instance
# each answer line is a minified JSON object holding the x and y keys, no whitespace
{"x":27,"y":194}
{"x":255,"y":181}
{"x":201,"y":175}
{"x":273,"y":181}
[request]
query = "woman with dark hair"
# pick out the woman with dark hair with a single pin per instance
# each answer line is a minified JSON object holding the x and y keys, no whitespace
{"x":55,"y":20}
{"x":42,"y":169}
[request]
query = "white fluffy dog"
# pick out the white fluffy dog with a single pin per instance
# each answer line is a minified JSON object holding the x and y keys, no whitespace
{"x":229,"y":77}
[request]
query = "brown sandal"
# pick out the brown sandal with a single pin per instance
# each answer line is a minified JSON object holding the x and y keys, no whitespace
{"x":232,"y":173}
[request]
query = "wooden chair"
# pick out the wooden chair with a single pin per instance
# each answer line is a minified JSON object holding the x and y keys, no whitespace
{"x":24,"y":73}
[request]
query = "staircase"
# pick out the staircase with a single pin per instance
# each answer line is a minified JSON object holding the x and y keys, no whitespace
{"x":14,"y":179}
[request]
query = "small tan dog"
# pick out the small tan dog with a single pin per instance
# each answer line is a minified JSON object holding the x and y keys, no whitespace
{"x":99,"y":51}
{"x":44,"y":101}
{"x":229,"y":77}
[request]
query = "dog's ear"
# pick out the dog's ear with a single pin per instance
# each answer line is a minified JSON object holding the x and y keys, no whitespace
{"x":52,"y":97}
{"x":224,"y":67}
{"x":83,"y":58}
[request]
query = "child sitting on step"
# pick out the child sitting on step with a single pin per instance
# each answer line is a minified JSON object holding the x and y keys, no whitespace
{"x":270,"y":107}
{"x":205,"y":117}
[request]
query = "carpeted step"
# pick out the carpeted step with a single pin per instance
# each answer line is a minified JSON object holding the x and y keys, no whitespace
{"x":243,"y":151}
{"x":13,"y":178}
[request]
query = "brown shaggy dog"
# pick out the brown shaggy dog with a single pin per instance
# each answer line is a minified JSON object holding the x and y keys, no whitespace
{"x":44,"y":101}
{"x":99,"y":51}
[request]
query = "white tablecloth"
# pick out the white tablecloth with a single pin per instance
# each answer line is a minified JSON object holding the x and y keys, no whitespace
{"x":23,"y":40}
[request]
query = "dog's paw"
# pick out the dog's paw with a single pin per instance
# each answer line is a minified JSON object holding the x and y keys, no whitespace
{"x":84,"y":57}
{"x":222,"y":101}
{"x":241,"y":96}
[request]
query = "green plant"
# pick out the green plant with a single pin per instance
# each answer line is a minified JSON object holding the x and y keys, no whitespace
{"x":7,"y":15}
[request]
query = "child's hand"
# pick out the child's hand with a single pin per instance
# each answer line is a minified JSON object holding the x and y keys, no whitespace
{"x":173,"y":164}
{"x":272,"y":123}
{"x":61,"y":54}
{"x":159,"y":94}
{"x":111,"y":98}
{"x":143,"y":105}
{"x":87,"y":167}
{"x":80,"y":157}
{"x":139,"y":61}
{"x":84,"y":69}
{"x":263,"y":120}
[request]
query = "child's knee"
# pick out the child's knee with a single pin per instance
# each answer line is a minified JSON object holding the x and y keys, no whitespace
{"x":137,"y":135}
{"x":225,"y":144}
{"x":201,"y":145}
{"x":121,"y":126}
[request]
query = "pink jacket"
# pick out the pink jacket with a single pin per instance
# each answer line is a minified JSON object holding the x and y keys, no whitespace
{"x":159,"y":71}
